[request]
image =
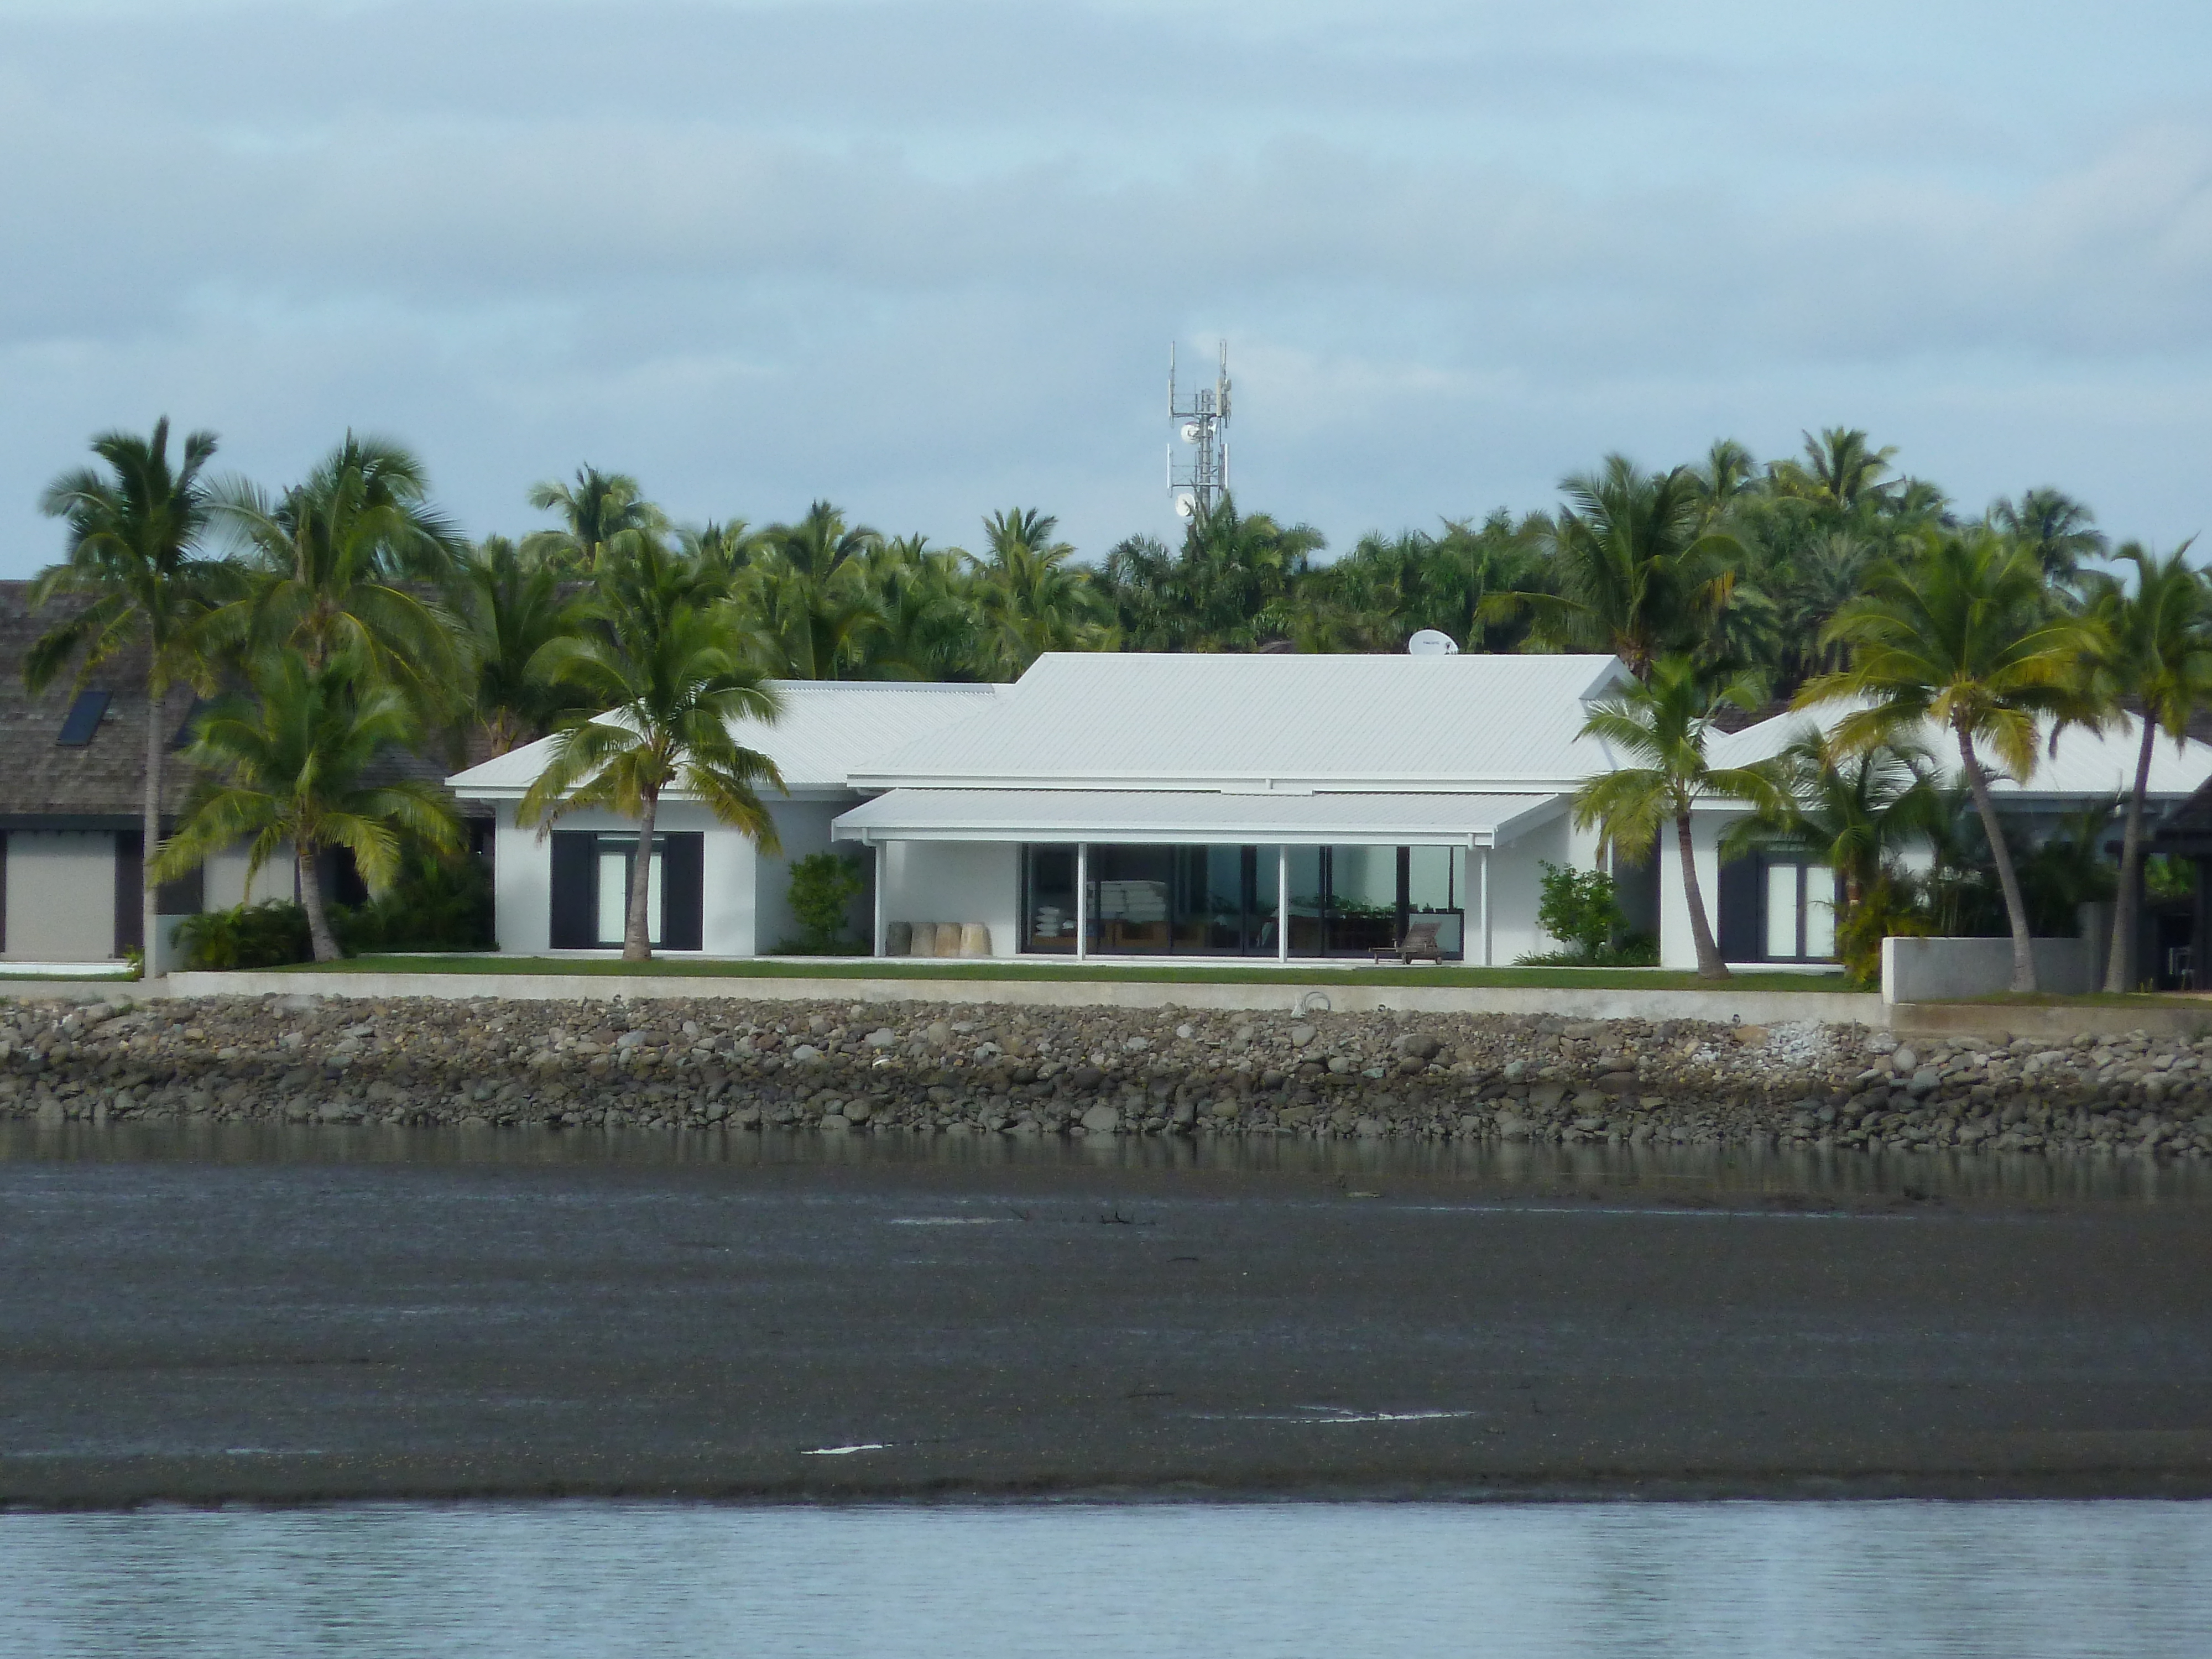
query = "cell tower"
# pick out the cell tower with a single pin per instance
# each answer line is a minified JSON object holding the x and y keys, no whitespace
{"x":1197,"y":469}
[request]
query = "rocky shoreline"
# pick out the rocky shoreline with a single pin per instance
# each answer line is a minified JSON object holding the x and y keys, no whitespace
{"x":848,"y":1068}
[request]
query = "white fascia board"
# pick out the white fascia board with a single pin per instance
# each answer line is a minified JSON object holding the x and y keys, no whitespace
{"x":1507,"y":830}
{"x":1157,"y":782}
{"x":1156,"y":836}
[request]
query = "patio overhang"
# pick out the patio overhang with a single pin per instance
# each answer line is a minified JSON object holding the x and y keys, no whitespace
{"x":1199,"y":818}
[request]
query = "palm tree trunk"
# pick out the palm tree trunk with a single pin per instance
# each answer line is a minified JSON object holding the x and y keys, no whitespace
{"x":325,"y":943}
{"x":1710,"y":965}
{"x":149,"y":891}
{"x":1978,"y":783}
{"x":2120,"y":966}
{"x":637,"y":936}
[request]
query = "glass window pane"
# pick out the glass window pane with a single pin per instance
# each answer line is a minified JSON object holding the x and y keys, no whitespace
{"x":1306,"y":901}
{"x":1781,"y":912}
{"x":652,"y":900}
{"x":614,"y":895}
{"x":1362,"y":899}
{"x":1819,"y":910}
{"x":1429,"y":878}
{"x":1130,"y":889}
{"x":1052,"y":900}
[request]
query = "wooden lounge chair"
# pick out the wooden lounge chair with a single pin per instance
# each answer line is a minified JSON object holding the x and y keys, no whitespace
{"x":1420,"y":941}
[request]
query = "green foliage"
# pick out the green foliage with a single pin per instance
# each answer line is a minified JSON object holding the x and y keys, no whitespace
{"x":270,"y":934}
{"x":1889,"y":906}
{"x":439,"y":903}
{"x":823,"y":887}
{"x":1581,"y":909}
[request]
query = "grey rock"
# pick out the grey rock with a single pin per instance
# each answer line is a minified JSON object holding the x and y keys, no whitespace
{"x":1301,"y":1035}
{"x":806,"y":1054}
{"x":1102,"y":1121}
{"x":1416,"y":1045}
{"x":882,"y":1037}
{"x":1512,"y":1127}
{"x":936,"y":1034}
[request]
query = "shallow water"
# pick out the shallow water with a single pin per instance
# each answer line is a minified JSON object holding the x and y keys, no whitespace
{"x":1674,"y":1171}
{"x":2022,"y":1580}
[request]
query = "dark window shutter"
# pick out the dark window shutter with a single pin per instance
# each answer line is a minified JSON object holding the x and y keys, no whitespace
{"x":4,"y":889}
{"x":1737,"y":928}
{"x":129,"y":890}
{"x":682,"y":891}
{"x":575,"y":914}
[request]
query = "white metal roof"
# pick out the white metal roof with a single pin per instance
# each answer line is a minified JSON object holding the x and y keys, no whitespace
{"x":1430,"y":818}
{"x":1131,"y":721}
{"x":827,"y":729}
{"x":2088,"y":765}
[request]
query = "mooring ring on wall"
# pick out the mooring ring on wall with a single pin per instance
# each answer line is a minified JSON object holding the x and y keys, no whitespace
{"x":1312,"y":1002}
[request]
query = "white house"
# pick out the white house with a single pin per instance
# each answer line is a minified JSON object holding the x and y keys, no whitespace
{"x":1263,"y":807}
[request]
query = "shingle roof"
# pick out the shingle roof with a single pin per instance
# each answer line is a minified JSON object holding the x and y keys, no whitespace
{"x":105,"y":778}
{"x":1150,"y":721}
{"x":828,"y":730}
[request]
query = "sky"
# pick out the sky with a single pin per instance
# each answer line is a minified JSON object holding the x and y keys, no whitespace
{"x":924,"y":258}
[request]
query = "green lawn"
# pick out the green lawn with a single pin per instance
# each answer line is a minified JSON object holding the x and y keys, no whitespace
{"x":1186,"y":973}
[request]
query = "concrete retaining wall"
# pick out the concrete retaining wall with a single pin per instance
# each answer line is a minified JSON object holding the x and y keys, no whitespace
{"x":1752,"y":1007}
{"x":1951,"y":969}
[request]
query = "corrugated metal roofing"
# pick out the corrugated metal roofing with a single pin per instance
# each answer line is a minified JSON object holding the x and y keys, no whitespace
{"x":2089,"y":765}
{"x":1196,"y":817}
{"x":828,"y":728}
{"x":1078,"y":720}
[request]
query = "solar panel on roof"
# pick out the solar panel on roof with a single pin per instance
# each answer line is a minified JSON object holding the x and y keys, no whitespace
{"x":83,"y":718}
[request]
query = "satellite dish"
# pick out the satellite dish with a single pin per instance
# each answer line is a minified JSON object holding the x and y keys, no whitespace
{"x":1190,"y":432}
{"x":1185,"y":507}
{"x":1431,"y":642}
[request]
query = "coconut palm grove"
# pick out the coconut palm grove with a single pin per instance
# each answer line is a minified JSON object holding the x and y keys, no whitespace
{"x":326,"y":621}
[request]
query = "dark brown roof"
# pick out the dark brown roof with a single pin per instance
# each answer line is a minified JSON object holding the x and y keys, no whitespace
{"x":41,"y":778}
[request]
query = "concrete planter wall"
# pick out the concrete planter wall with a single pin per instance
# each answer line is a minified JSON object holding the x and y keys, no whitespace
{"x":1947,"y":970}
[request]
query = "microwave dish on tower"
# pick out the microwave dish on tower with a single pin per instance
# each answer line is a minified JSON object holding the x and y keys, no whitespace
{"x":1199,"y":478}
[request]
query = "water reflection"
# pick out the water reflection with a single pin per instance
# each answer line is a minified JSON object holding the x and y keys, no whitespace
{"x":1862,"y":1580}
{"x":1686,"y":1171}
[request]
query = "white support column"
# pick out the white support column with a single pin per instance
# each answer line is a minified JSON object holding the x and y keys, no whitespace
{"x":883,"y":876}
{"x":1282,"y":904}
{"x":1485,"y":907}
{"x":1082,"y":900}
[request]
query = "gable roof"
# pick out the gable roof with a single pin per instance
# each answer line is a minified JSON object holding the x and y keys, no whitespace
{"x":2088,"y":765}
{"x":827,"y":730}
{"x":1133,"y":721}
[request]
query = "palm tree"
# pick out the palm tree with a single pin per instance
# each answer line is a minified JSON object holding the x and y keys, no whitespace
{"x":512,"y":606}
{"x":2059,"y":531}
{"x":1639,"y":573}
{"x":133,"y":554}
{"x":810,"y":605}
{"x":1663,"y":723}
{"x":1031,"y":599}
{"x":593,"y":510}
{"x":656,"y":658}
{"x":1841,"y":469}
{"x":1960,"y":635}
{"x":290,"y":766}
{"x":1854,"y":810}
{"x":1233,"y":584}
{"x":351,"y":562}
{"x":2154,"y":649}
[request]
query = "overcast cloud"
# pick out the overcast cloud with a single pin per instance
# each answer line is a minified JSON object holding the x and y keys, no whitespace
{"x":924,"y":258}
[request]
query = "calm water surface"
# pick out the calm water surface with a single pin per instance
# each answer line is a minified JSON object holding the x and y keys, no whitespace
{"x":2020,"y":1580}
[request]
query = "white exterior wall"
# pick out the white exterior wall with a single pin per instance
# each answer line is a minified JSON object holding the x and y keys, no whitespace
{"x":1678,"y":946}
{"x":1516,"y":887}
{"x":956,"y":881}
{"x":523,"y":878}
{"x":803,"y":826}
{"x":61,"y":896}
{"x":225,"y":881}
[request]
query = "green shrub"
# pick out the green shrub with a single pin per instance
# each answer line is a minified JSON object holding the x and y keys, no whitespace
{"x":270,"y":934}
{"x":1888,"y":908}
{"x":823,"y":887}
{"x":1581,"y":909}
{"x":438,"y":903}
